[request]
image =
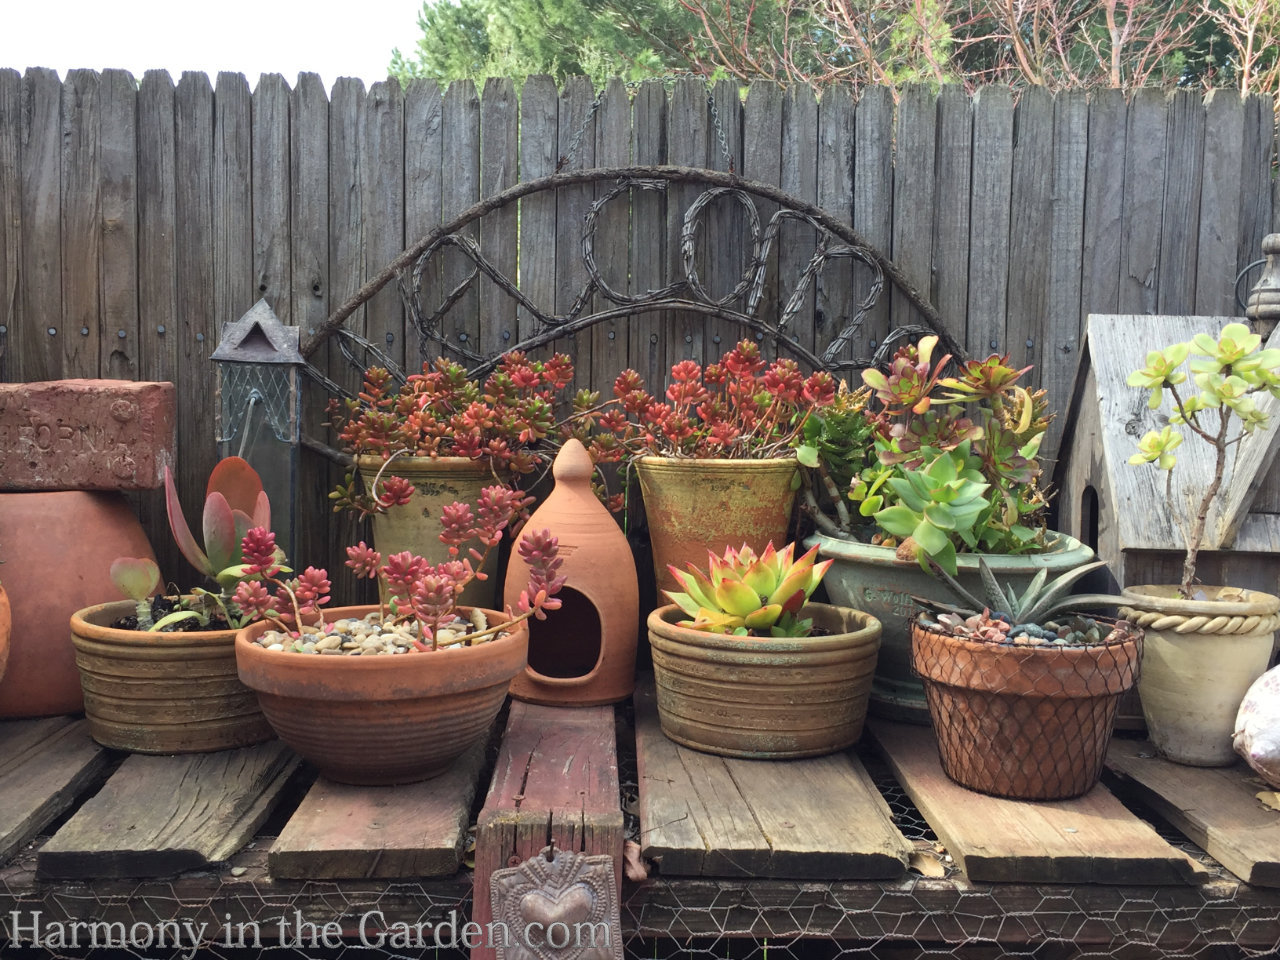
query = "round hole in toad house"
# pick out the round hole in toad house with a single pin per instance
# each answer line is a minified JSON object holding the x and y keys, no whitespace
{"x":567,"y":643}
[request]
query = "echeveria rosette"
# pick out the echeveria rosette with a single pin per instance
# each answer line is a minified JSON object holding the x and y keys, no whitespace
{"x":748,"y":595}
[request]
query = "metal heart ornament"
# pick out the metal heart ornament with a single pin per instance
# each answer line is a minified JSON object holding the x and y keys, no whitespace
{"x":556,"y":906}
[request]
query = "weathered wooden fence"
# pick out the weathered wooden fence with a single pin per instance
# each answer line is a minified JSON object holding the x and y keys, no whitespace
{"x":136,"y":217}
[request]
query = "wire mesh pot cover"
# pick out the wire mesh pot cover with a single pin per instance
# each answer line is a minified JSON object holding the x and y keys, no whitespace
{"x":1025,"y":722}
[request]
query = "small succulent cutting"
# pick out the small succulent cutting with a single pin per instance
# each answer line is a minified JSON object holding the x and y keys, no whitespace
{"x":749,"y":595}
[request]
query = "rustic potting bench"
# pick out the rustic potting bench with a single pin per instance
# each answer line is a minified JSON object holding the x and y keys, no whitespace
{"x":869,"y":849}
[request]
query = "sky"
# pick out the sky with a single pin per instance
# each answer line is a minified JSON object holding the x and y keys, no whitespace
{"x":334,"y":38}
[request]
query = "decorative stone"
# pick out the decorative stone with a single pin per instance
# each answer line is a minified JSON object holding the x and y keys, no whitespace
{"x":85,"y":434}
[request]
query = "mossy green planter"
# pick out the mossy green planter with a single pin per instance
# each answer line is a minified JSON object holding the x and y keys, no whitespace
{"x":871,"y":578}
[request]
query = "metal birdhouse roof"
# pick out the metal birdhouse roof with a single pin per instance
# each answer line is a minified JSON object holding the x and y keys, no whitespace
{"x":259,"y":337}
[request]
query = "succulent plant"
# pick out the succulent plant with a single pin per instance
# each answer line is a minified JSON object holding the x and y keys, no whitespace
{"x":745,"y":594}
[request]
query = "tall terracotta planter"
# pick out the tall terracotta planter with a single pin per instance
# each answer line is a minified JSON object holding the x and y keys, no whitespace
{"x":694,"y":506}
{"x":1029,"y":723}
{"x":162,"y":692}
{"x":58,"y":549}
{"x":415,"y":527}
{"x":5,"y":622}
{"x":1201,"y":657}
{"x":382,"y":719}
{"x":762,"y":697}
{"x":871,"y":578}
{"x":585,"y":653}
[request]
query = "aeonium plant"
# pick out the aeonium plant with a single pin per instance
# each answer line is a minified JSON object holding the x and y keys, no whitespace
{"x":1227,"y":371}
{"x":928,"y":463}
{"x":417,"y":609}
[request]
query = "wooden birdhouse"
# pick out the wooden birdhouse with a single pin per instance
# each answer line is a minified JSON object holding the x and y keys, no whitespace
{"x":1135,"y":515}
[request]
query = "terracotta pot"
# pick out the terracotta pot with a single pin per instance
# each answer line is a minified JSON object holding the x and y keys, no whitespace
{"x":5,"y":622}
{"x":382,"y":719}
{"x":58,"y":549}
{"x":415,"y":527}
{"x":1029,"y":723}
{"x":763,"y":697}
{"x":871,"y":578}
{"x":698,"y":505}
{"x":584,"y":653}
{"x":162,"y":692}
{"x":1201,"y":657}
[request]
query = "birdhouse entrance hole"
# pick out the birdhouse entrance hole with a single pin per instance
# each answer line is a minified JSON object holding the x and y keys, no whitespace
{"x":566,"y":644}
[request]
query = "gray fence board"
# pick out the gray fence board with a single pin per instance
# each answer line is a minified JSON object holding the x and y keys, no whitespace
{"x":499,"y":240}
{"x":835,"y":294}
{"x":1215,"y":267}
{"x":873,"y":193}
{"x":1180,"y":224}
{"x":989,"y":213}
{"x":119,"y":347}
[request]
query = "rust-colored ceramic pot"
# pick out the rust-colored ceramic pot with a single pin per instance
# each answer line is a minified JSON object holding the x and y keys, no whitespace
{"x":585,"y":652}
{"x":5,"y":621}
{"x":58,"y":550}
{"x":162,"y":692}
{"x":698,"y":505}
{"x":1024,"y":722}
{"x":382,"y":719}
{"x":768,"y":698}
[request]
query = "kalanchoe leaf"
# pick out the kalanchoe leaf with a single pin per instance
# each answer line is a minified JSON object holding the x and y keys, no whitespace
{"x":181,"y":532}
{"x":239,"y":484}
{"x":220,"y":541}
{"x":136,"y":577}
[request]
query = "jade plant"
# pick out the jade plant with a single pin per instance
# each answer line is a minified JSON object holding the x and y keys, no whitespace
{"x":1227,"y":372}
{"x":749,"y":595}
{"x":931,"y":462}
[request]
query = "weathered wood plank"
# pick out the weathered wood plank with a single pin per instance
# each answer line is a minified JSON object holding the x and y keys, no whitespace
{"x":576,"y":128}
{"x":950,"y":288}
{"x":271,"y":193}
{"x":1255,"y":178}
{"x":1030,"y":227}
{"x":836,"y":297}
{"x":723,"y":234}
{"x":539,"y":143}
{"x":461,"y":158}
{"x":613,"y":148}
{"x":1219,"y":204}
{"x":555,"y":780}
{"x":913,"y":170}
{"x":702,"y":815}
{"x":382,"y":204}
{"x":157,"y":816}
{"x":423,"y":189}
{"x":1180,"y":224}
{"x":797,"y":242}
{"x":10,"y":226}
{"x":414,"y":830}
{"x":762,"y":161}
{"x":157,"y":229}
{"x":80,"y":332}
{"x":647,"y":334}
{"x":1104,"y":203}
{"x":1144,"y":178}
{"x":989,"y":212}
{"x":45,"y":766}
{"x":119,"y":347}
{"x":499,"y":233}
{"x":687,"y":134}
{"x":873,"y":191}
{"x":1249,"y":468}
{"x":1091,"y":839}
{"x":346,"y":212}
{"x":234,"y":283}
{"x":1216,"y":807}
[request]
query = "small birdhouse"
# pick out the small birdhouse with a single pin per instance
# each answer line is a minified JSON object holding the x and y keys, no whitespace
{"x":1135,"y":516}
{"x":259,"y":415}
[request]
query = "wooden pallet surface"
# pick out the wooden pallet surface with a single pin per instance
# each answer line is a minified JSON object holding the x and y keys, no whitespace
{"x":704,"y":815}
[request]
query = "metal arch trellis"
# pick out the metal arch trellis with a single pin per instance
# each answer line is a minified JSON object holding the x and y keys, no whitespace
{"x":741,"y":305}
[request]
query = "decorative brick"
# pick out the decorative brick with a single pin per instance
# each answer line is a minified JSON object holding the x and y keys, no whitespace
{"x":86,"y":434}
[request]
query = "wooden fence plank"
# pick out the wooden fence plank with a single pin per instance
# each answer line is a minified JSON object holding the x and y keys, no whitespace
{"x":539,"y":151}
{"x":1104,"y":203}
{"x":271,"y":192}
{"x":80,"y":331}
{"x":913,"y":160}
{"x":347,"y":223}
{"x":1180,"y":224}
{"x":461,"y":153}
{"x":796,"y":242}
{"x":423,"y":188}
{"x":687,"y":135}
{"x":723,"y":235}
{"x":235,"y":287}
{"x":1215,"y":267}
{"x":382,"y":203}
{"x":836,"y":296}
{"x":613,"y":149}
{"x":1060,"y":329}
{"x":194,"y":323}
{"x":576,"y":128}
{"x":762,"y":161}
{"x":500,"y":168}
{"x":1030,"y":228}
{"x":1144,"y":178}
{"x":10,"y":226}
{"x":873,"y":192}
{"x":989,"y":220}
{"x":1255,"y":175}
{"x":120,"y":349}
{"x":950,"y":288}
{"x":647,"y":348}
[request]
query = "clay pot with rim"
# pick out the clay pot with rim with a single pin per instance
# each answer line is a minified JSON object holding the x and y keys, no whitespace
{"x":1201,"y":657}
{"x":151,"y":692}
{"x":768,"y":698}
{"x":872,"y":578}
{"x":698,"y":505}
{"x":1024,"y":722}
{"x":415,"y":526}
{"x":382,"y":719}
